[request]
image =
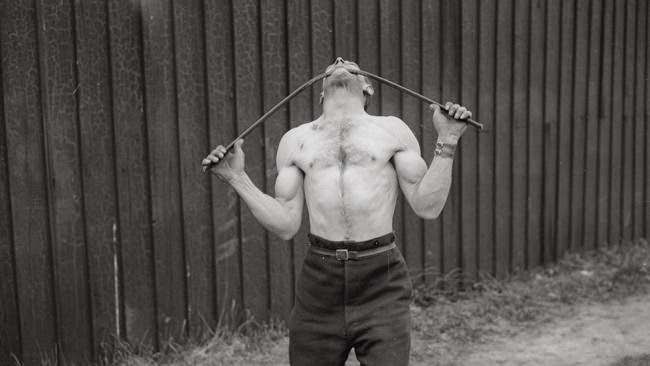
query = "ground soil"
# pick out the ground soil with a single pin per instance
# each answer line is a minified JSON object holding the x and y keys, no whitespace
{"x":595,"y":334}
{"x":589,"y":309}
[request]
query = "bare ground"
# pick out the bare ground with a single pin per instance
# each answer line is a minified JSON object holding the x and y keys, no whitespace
{"x":593,"y":335}
{"x":597,"y":334}
{"x":589,"y":309}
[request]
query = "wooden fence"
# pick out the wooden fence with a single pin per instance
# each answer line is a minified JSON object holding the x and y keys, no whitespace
{"x":109,"y":230}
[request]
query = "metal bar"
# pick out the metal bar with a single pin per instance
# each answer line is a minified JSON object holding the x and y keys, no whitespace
{"x":321,"y":76}
{"x":413,"y":93}
{"x":269,"y":113}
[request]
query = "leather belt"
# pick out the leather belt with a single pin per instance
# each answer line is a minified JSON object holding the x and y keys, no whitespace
{"x":346,"y":254}
{"x":377,"y":242}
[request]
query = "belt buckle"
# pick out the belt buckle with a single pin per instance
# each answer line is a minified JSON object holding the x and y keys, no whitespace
{"x":342,"y":254}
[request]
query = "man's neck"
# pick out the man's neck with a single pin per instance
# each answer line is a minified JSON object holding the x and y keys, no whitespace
{"x":341,"y":103}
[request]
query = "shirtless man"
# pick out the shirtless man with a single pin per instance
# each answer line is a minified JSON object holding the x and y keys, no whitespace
{"x":354,"y":289}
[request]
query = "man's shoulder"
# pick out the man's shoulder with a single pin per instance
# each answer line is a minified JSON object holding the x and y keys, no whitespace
{"x":296,"y":133}
{"x":398,"y":129}
{"x":290,"y":144}
{"x":391,"y":123}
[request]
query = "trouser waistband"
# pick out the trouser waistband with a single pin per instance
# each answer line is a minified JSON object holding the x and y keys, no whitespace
{"x":346,"y":250}
{"x":374,"y":243}
{"x":345,"y":254}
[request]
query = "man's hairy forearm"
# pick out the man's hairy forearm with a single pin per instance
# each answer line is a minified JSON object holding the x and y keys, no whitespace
{"x":274,"y":216}
{"x":432,"y":191}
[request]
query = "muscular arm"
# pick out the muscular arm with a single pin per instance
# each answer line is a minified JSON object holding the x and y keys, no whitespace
{"x":281,"y":215}
{"x":426,"y":190}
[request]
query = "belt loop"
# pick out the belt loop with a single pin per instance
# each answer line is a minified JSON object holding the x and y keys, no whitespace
{"x":342,"y":254}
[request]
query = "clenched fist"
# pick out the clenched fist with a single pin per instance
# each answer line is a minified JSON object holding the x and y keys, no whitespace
{"x":224,"y":165}
{"x":447,"y":125}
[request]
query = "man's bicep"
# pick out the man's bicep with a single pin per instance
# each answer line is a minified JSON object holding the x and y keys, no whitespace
{"x":288,"y":184}
{"x":409,"y":165}
{"x":410,"y":168}
{"x":288,"y":187}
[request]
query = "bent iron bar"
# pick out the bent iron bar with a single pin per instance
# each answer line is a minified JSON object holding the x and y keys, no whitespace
{"x":413,"y":93}
{"x":270,"y":112}
{"x":321,"y":76}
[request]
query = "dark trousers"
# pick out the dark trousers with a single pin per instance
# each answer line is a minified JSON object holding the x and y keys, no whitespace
{"x":362,"y":303}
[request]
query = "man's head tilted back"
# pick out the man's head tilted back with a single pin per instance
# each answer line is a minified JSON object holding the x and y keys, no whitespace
{"x":341,"y":77}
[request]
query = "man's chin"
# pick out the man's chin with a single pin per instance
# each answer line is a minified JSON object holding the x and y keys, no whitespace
{"x":337,"y":84}
{"x":340,"y":79}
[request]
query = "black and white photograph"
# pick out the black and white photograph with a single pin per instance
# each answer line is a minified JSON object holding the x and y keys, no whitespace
{"x":324,"y":182}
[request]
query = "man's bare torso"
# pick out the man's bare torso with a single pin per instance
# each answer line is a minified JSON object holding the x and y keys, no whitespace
{"x":347,"y":166}
{"x":350,"y":183}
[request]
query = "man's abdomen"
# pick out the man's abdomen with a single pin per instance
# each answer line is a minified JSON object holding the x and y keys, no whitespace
{"x":353,"y":204}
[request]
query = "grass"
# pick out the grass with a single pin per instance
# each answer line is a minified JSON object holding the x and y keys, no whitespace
{"x":449,"y":319}
{"x":449,"y":314}
{"x":248,"y":344}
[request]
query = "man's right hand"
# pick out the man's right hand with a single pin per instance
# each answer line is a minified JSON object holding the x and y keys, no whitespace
{"x":226,"y":166}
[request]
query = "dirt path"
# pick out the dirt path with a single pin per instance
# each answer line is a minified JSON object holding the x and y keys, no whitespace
{"x":598,"y":334}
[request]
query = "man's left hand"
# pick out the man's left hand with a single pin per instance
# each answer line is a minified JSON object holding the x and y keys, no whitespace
{"x":448,"y":124}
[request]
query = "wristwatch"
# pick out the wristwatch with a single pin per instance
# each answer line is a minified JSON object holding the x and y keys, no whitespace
{"x":444,"y":150}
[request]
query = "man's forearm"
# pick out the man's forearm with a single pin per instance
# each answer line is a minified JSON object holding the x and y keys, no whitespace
{"x":267,"y":210}
{"x":432,"y":191}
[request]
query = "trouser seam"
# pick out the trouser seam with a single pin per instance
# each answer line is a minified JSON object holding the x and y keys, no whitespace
{"x":345,"y":299}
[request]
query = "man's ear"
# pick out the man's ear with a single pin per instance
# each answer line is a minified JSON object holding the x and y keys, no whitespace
{"x":368,"y":92}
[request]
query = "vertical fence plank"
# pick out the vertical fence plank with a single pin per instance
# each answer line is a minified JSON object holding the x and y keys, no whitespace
{"x":390,"y":68}
{"x":551,"y":107}
{"x":162,"y":138}
{"x":581,"y":51}
{"x":592,"y":125}
{"x":486,"y":111}
{"x":647,"y":125}
{"x":503,"y":133}
{"x":193,"y":145}
{"x":222,"y":129}
{"x":535,"y":117}
{"x":431,"y":86}
{"x":617,"y":125}
{"x":59,"y":90}
{"x":322,"y":44}
{"x":627,"y":188}
{"x":604,"y":125}
{"x":138,"y":308}
{"x":640,"y":139}
{"x":300,"y":108}
{"x":249,"y":106}
{"x":564,"y":128}
{"x":345,"y":29}
{"x":451,"y":69}
{"x":98,"y":170}
{"x":274,"y":59}
{"x":9,"y":315}
{"x":519,"y":137}
{"x":27,"y":180}
{"x":411,"y":112}
{"x":469,"y":144}
{"x":368,"y":44}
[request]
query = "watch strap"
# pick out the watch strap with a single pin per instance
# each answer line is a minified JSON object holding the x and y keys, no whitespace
{"x":444,"y":150}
